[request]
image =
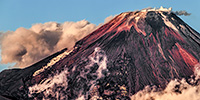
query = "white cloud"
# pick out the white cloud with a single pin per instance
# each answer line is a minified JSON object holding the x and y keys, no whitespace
{"x":26,"y":46}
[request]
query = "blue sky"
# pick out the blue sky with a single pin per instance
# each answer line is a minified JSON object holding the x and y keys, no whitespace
{"x":25,"y":13}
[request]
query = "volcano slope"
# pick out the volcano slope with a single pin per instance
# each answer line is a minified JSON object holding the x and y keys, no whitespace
{"x":133,"y":50}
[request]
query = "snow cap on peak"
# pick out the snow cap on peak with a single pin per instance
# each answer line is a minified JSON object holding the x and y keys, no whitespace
{"x":157,"y":9}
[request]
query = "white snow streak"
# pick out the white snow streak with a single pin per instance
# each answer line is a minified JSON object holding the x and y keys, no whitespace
{"x":47,"y":86}
{"x":52,"y":62}
{"x":55,"y":86}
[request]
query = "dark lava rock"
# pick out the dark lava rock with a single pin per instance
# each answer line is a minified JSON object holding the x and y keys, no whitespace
{"x":133,"y":50}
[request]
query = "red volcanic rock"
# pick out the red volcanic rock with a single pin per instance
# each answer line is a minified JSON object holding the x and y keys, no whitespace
{"x":133,"y":50}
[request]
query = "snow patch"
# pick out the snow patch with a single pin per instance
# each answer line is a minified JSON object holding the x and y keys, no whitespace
{"x":97,"y":57}
{"x":157,"y":9}
{"x":81,"y":98}
{"x":182,"y":27}
{"x":55,"y":87}
{"x":161,"y":51}
{"x":197,"y":71}
{"x":100,"y":59}
{"x":52,"y":62}
{"x":50,"y":86}
{"x":168,"y":23}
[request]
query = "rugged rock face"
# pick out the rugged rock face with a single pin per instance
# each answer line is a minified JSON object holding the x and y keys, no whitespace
{"x":135,"y":49}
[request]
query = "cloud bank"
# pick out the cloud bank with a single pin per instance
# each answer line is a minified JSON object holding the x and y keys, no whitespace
{"x":27,"y":46}
{"x":175,"y":90}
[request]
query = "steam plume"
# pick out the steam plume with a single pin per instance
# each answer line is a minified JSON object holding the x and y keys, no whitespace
{"x":182,"y":12}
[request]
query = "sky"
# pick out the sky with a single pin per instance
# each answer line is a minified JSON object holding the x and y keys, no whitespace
{"x":25,"y":13}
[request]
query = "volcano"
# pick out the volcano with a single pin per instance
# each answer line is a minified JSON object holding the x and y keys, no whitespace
{"x":149,"y":47}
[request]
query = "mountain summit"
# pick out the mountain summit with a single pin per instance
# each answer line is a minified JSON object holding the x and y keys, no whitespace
{"x":133,"y":50}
